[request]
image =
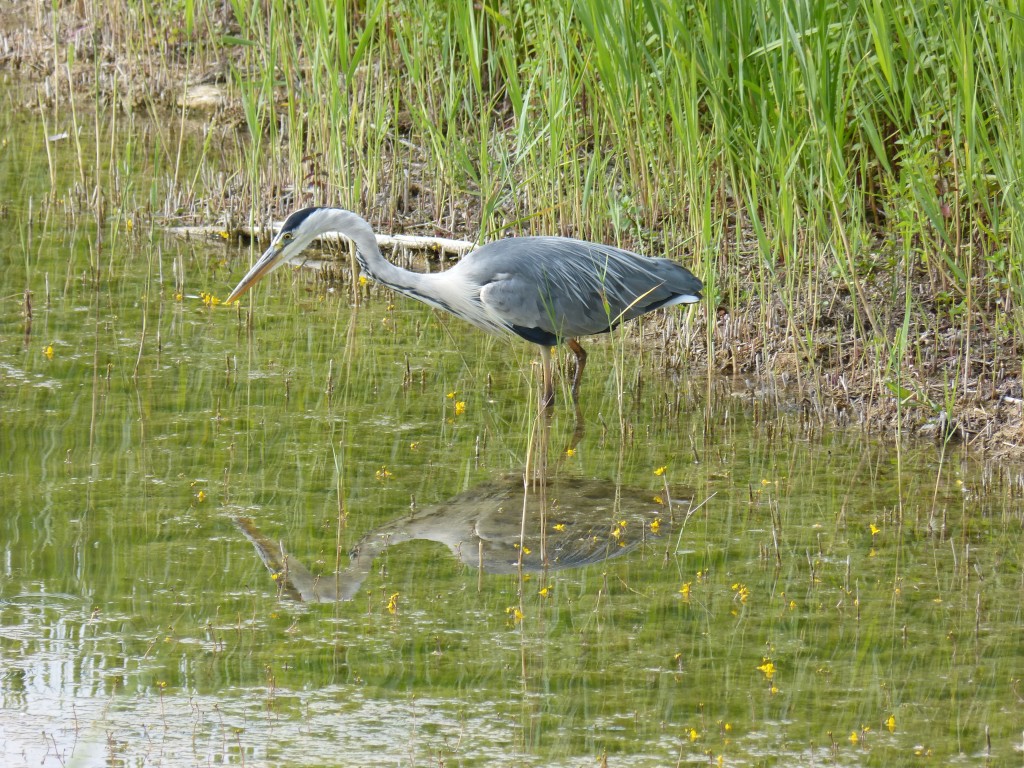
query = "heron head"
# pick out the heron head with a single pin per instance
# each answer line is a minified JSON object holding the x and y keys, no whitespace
{"x":297,"y":232}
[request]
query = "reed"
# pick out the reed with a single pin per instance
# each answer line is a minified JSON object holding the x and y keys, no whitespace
{"x":794,"y":146}
{"x":842,"y":174}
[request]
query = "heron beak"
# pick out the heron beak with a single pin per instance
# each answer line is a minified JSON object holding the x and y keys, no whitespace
{"x":271,"y":259}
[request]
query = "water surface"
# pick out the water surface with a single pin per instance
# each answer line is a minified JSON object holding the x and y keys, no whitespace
{"x":780,"y":592}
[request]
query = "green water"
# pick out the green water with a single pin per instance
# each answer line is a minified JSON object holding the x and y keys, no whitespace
{"x":831,"y":600}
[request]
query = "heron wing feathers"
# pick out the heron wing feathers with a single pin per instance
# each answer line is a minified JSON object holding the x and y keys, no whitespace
{"x":563,"y":288}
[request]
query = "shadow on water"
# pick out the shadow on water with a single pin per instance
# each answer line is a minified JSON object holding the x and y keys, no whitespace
{"x":530,"y":522}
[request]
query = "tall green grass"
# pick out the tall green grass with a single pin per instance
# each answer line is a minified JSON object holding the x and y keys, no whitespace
{"x":844,"y":175}
{"x":783,"y":147}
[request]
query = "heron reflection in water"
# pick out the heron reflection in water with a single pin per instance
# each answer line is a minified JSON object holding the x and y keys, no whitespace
{"x":500,"y":527}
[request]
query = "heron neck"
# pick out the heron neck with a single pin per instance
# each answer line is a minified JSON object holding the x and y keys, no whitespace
{"x":371,"y":261}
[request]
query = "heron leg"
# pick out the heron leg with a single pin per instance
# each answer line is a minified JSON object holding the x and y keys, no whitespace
{"x":547,"y":399}
{"x":581,"y":363}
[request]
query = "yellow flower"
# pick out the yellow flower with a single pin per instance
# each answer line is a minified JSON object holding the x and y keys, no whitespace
{"x":129,"y":225}
{"x":655,"y":525}
{"x":546,"y":591}
{"x":742,"y":592}
{"x":451,"y":395}
{"x":693,"y":734}
{"x":660,"y":471}
{"x":48,"y":352}
{"x":875,"y":530}
{"x":768,"y":668}
{"x":658,"y":500}
{"x":209,"y":299}
{"x":178,"y":296}
{"x":393,"y":603}
{"x":201,"y":497}
{"x":685,"y":591}
{"x":515,"y":614}
{"x":570,"y":452}
{"x":559,"y":527}
{"x":854,"y":738}
{"x":413,"y":446}
{"x":460,"y":407}
{"x":363,"y":280}
{"x":891,"y":723}
{"x":383,"y":473}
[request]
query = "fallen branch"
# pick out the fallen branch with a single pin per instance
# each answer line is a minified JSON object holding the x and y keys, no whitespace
{"x":439,"y":245}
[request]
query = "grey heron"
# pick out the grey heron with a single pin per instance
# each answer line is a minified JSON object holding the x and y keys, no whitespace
{"x":544,"y":289}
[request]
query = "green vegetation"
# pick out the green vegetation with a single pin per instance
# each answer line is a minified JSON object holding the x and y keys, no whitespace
{"x":842,"y":174}
{"x":790,"y":150}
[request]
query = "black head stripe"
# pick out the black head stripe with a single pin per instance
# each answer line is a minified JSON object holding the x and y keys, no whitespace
{"x":294,"y":221}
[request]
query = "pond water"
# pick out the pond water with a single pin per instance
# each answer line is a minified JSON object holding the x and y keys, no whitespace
{"x":703,"y":575}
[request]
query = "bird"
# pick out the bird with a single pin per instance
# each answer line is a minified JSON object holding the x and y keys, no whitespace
{"x":544,"y":289}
